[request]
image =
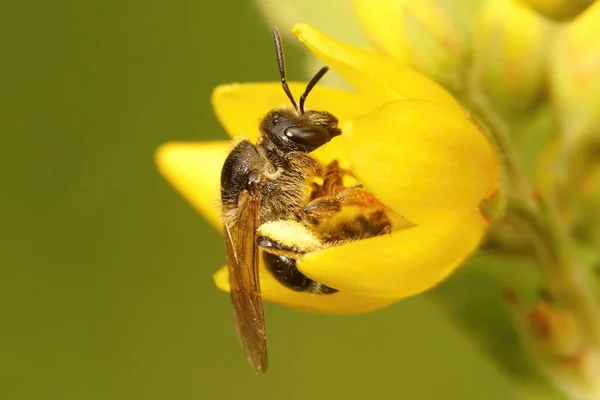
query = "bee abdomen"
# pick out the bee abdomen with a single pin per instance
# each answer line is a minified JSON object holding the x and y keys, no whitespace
{"x":284,"y":270}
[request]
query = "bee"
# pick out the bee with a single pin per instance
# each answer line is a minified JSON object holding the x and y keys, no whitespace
{"x":279,"y":201}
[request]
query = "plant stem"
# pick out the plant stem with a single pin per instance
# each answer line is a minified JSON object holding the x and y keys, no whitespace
{"x":514,"y":175}
{"x":550,"y":240}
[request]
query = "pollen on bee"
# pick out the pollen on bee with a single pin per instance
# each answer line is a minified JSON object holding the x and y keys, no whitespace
{"x":290,"y":234}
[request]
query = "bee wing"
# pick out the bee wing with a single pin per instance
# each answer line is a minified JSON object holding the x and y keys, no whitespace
{"x":242,"y":259}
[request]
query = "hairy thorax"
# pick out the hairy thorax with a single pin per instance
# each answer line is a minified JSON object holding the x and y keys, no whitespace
{"x":286,"y":191}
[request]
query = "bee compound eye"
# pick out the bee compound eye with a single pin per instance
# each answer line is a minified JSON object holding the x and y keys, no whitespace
{"x":310,"y":136}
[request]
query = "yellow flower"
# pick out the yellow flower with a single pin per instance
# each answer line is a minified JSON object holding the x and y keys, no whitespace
{"x":407,"y":141}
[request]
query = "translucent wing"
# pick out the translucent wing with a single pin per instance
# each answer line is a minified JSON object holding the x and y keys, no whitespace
{"x":242,"y":259}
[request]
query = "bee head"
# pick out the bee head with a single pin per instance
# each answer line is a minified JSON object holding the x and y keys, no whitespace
{"x":298,"y":130}
{"x":290,"y":131}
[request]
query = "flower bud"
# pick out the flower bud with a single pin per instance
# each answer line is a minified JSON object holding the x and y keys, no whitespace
{"x":430,"y":36}
{"x":509,"y":55}
{"x":563,"y":351}
{"x":555,"y":332}
{"x":575,"y":77}
{"x":559,"y":10}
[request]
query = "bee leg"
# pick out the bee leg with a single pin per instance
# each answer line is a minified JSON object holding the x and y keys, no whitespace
{"x":288,"y":238}
{"x":373,"y":220}
{"x":333,"y":179}
{"x":326,"y":207}
{"x":317,"y":191}
{"x":358,"y":196}
{"x":321,"y":209}
{"x":367,"y":225}
{"x":369,"y":219}
{"x":328,"y":198}
{"x":278,"y":248}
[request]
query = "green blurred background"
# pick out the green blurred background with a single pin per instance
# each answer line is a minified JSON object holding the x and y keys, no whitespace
{"x":105,"y":272}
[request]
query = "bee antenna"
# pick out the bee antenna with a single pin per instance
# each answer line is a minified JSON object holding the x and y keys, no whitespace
{"x":281,"y":63}
{"x":315,"y":79}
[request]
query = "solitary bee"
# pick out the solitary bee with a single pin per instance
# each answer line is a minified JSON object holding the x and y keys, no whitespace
{"x":279,"y":199}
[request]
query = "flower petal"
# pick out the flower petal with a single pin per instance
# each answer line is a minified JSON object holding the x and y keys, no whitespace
{"x":378,"y":77}
{"x":381,"y":21}
{"x":194,"y":169}
{"x":431,"y":36}
{"x":240,"y":107}
{"x":401,"y":264}
{"x":336,"y":303}
{"x":421,"y":159}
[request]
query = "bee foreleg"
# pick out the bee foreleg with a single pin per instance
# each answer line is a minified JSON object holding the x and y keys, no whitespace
{"x":333,"y":179}
{"x":320,"y":209}
{"x":358,"y":196}
{"x":326,"y":207}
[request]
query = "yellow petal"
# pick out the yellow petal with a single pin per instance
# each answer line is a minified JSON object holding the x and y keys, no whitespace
{"x":240,"y":108}
{"x":427,"y":35}
{"x":336,"y":303}
{"x":420,"y":159}
{"x":376,"y":18}
{"x":401,"y":264}
{"x":378,"y":77}
{"x":194,"y":169}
